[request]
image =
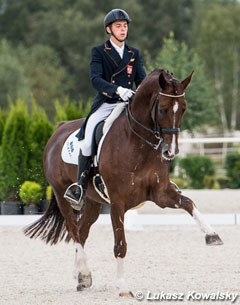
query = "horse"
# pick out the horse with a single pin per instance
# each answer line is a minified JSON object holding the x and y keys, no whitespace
{"x":134,"y":164}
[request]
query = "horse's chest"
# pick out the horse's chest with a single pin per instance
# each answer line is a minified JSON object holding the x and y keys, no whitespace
{"x":145,"y":179}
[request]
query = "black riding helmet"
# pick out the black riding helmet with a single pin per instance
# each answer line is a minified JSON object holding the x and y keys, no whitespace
{"x":114,"y":15}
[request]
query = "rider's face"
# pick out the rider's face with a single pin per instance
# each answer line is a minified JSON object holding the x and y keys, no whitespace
{"x":119,"y":29}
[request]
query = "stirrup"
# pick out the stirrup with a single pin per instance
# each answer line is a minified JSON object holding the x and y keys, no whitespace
{"x":69,"y":195}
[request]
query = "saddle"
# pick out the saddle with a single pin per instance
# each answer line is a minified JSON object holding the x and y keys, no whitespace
{"x":71,"y":148}
{"x":97,"y":135}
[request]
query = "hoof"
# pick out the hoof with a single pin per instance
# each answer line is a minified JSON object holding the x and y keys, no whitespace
{"x":80,"y":287}
{"x":126,"y":294}
{"x":84,"y":281}
{"x":213,"y":240}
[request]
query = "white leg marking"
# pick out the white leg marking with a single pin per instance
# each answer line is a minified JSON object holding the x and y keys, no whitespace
{"x":80,"y":265}
{"x":121,"y":284}
{"x":204,"y":226}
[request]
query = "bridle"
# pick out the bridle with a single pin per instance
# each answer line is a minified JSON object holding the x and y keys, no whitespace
{"x":157,"y":130}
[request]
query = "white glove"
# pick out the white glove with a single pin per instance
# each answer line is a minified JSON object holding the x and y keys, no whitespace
{"x":125,"y":93}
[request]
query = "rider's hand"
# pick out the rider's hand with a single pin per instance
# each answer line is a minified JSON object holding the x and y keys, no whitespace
{"x":125,"y":93}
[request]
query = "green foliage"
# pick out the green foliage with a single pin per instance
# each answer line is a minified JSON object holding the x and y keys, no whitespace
{"x":12,"y":75}
{"x":30,"y":193}
{"x":46,"y":50}
{"x":180,"y":182}
{"x":196,"y":168}
{"x":224,"y":182}
{"x":218,"y":42}
{"x":68,"y":110}
{"x":45,"y":75}
{"x":72,"y":28}
{"x":40,"y":130}
{"x":3,"y":116}
{"x":49,"y":193}
{"x":232,"y":165}
{"x":14,"y":151}
{"x":210,"y":182}
{"x":181,"y":60}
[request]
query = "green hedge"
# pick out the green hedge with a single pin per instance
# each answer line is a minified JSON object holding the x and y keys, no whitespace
{"x":14,"y":151}
{"x":197,"y":169}
{"x":68,"y":110}
{"x":3,"y":116}
{"x":24,"y":132}
{"x":30,"y":193}
{"x":232,"y":165}
{"x":40,"y":130}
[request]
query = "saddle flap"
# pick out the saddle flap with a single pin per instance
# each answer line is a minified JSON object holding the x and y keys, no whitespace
{"x":97,"y":135}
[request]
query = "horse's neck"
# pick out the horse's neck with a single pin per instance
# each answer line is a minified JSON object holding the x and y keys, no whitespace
{"x":141,"y":111}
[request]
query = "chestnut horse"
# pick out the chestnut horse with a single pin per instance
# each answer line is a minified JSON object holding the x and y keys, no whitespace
{"x":134,"y":163}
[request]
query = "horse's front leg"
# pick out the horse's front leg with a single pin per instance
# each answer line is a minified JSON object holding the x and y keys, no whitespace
{"x":120,"y":247}
{"x":172,"y":198}
{"x":211,"y":236}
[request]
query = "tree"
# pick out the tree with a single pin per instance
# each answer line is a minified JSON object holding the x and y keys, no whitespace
{"x":46,"y":77}
{"x":180,"y":60}
{"x":13,"y":81}
{"x":14,"y":152}
{"x":218,"y":42}
{"x":14,"y":18}
{"x":40,"y":130}
{"x":158,"y":18}
{"x":3,"y":116}
{"x":70,"y":110}
{"x":71,"y":28}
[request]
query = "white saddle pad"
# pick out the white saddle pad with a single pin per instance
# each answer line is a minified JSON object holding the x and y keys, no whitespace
{"x":70,"y":150}
{"x":71,"y":147}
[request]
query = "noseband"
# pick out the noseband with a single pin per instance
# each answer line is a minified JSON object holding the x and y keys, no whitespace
{"x":155,"y":114}
{"x":157,"y":131}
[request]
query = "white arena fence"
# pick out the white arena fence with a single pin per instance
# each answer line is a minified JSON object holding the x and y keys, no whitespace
{"x":136,"y":221}
{"x":201,"y":146}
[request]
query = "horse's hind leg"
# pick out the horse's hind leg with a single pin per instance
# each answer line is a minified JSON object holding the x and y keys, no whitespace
{"x":211,"y":236}
{"x":78,"y":231}
{"x":90,"y":213}
{"x":70,"y":216}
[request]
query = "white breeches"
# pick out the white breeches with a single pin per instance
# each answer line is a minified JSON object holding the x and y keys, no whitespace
{"x":99,"y":115}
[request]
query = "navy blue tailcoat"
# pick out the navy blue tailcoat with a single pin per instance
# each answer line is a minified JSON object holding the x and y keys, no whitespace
{"x":109,"y":71}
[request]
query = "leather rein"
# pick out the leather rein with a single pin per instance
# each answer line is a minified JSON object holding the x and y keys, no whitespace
{"x":157,"y":131}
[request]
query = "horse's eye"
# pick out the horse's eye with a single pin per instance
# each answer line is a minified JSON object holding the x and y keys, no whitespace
{"x":163,"y":111}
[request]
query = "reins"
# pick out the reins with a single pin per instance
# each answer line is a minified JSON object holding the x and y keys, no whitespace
{"x":156,"y":134}
{"x":157,"y":129}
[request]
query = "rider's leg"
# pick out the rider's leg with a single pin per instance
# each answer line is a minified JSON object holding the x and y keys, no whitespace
{"x":76,"y":191}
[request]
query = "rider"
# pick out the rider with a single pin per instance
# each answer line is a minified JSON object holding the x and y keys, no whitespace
{"x":114,"y":68}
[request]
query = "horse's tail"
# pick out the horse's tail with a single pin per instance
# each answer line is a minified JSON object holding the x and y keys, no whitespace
{"x":50,"y":227}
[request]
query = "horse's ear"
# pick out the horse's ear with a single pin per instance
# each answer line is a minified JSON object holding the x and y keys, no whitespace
{"x":162,"y":81}
{"x":187,"y":81}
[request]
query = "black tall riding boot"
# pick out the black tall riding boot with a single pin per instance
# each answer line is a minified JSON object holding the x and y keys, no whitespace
{"x":76,"y":191}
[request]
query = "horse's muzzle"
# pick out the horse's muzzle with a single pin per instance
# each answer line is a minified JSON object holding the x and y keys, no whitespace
{"x":167,"y":153}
